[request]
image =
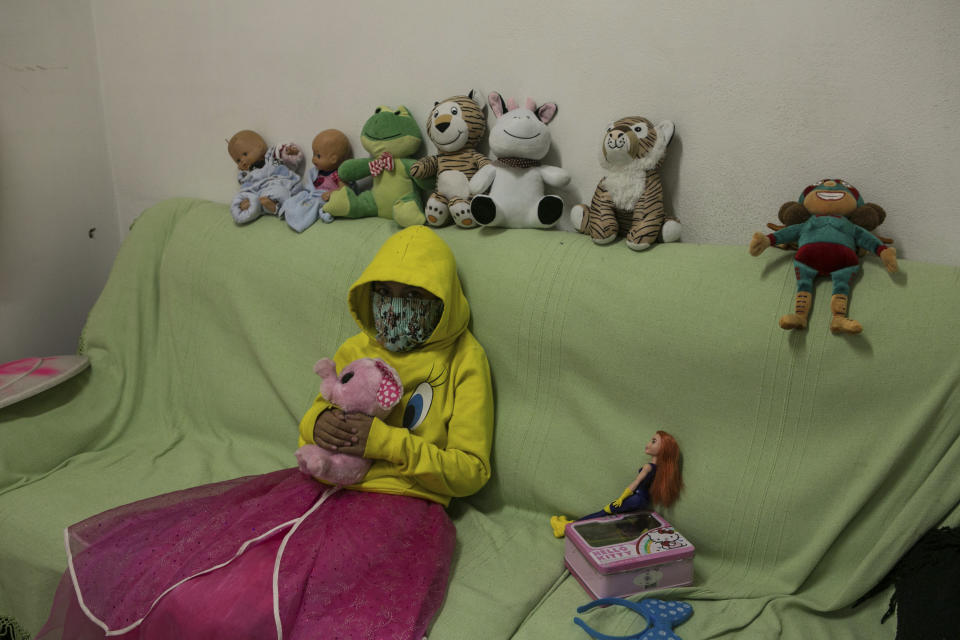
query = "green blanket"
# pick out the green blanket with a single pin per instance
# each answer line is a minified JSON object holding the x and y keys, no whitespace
{"x":812,"y":461}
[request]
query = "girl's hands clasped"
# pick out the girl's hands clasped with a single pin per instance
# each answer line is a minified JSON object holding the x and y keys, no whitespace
{"x":342,"y":432}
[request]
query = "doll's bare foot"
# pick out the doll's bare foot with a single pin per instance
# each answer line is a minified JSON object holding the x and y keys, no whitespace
{"x":559,"y":525}
{"x":268,"y":205}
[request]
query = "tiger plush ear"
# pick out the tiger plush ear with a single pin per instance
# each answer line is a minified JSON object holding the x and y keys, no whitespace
{"x":477,"y":96}
{"x":665,"y":131}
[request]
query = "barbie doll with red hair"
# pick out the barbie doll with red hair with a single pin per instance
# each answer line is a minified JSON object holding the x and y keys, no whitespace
{"x":658,"y":482}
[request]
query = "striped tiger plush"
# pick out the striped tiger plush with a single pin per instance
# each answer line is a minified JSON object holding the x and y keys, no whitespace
{"x":629,"y":199}
{"x":455,"y":126}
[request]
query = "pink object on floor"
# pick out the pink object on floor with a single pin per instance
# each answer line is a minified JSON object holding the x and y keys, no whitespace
{"x":21,"y":379}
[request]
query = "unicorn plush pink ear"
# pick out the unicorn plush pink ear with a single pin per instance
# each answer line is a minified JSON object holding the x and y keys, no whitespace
{"x":546,"y":112}
{"x":495,"y":100}
{"x":391,"y":389}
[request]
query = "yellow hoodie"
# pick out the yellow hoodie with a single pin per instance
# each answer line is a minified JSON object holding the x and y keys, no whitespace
{"x":443,"y":449}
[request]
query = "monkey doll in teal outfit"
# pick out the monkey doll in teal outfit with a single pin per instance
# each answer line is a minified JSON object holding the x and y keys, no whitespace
{"x":390,"y":136}
{"x":829,"y":223}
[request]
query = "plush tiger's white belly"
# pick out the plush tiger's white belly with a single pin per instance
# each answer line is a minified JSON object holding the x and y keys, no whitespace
{"x":453,"y":184}
{"x":625,"y":186}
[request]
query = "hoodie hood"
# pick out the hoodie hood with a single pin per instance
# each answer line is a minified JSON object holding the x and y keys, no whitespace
{"x":415,"y":256}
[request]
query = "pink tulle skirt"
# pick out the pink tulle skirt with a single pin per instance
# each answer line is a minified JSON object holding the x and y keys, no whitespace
{"x":271,"y":556}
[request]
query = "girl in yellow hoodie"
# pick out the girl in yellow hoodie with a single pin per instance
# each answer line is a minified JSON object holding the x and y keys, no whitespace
{"x":282,"y":555}
{"x":436,"y":443}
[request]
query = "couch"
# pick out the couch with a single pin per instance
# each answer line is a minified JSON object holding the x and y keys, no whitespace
{"x":812,"y":461}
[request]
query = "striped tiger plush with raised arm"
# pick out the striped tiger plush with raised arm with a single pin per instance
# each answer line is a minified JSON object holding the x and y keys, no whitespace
{"x":629,"y":199}
{"x":455,"y":126}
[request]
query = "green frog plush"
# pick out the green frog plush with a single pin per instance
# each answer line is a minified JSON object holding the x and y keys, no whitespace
{"x":390,"y":136}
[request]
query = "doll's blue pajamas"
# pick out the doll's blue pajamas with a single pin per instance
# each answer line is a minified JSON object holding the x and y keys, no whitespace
{"x":276,"y":182}
{"x":305,"y":208}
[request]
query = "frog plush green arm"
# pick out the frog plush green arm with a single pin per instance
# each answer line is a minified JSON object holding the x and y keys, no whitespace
{"x":359,"y":168}
{"x":354,"y":169}
{"x":390,"y":136}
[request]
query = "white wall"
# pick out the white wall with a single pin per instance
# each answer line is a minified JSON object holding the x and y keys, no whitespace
{"x":55,"y":183}
{"x":767,"y":96}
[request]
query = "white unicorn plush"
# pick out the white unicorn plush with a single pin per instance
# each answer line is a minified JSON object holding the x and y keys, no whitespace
{"x":519,"y":138}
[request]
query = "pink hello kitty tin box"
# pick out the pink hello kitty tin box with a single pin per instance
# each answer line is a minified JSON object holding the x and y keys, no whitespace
{"x":620,"y":555}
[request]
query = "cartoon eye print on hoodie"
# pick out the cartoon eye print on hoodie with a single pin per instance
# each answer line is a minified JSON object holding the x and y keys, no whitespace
{"x":418,"y":406}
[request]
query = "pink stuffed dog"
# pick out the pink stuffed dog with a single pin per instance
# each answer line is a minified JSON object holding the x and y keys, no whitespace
{"x":367,"y":385}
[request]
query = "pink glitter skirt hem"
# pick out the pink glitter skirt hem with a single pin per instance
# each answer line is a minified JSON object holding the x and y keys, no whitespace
{"x":276,"y":555}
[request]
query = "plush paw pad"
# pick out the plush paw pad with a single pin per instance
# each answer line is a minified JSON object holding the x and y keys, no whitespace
{"x":461,"y":214}
{"x":437,"y":213}
{"x":483,"y":208}
{"x":549,"y":210}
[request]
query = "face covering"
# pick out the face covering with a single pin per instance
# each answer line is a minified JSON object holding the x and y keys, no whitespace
{"x":403,"y":324}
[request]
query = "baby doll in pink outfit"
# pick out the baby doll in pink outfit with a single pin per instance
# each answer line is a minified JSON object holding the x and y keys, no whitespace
{"x":330,"y":149}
